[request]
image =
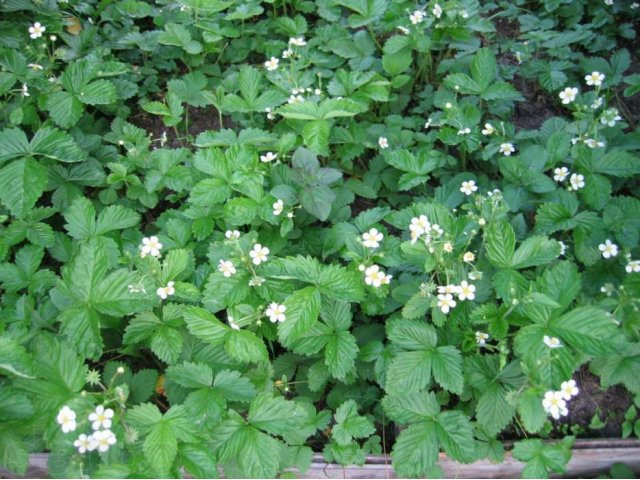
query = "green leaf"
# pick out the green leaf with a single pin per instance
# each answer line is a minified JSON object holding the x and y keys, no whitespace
{"x":317,"y":201}
{"x":275,"y":415}
{"x":500,"y":244}
{"x":234,"y":386}
{"x":409,"y":371}
{"x":340,"y":284}
{"x":160,"y":448}
{"x":144,"y":417}
{"x":446,"y":365}
{"x":205,"y":325}
{"x":64,"y":109}
{"x":535,"y":251}
{"x":350,"y":425}
{"x":80,"y":217}
{"x":13,"y":144}
{"x":166,"y":343}
{"x":245,"y":346}
{"x":100,"y":92}
{"x":341,"y":351}
{"x":455,"y":434}
{"x":191,"y":375}
{"x":303,"y":308}
{"x":494,"y":411}
{"x":22,"y":182}
{"x":315,"y":135}
{"x":116,"y":217}
{"x":587,"y":329}
{"x":412,"y":334}
{"x":411,"y":407}
{"x":618,"y":163}
{"x":416,"y":450}
{"x":209,"y":192}
{"x":484,"y":67}
{"x":531,"y":411}
{"x":543,"y":457}
{"x":56,"y":145}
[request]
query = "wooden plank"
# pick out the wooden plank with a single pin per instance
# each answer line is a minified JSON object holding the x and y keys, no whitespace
{"x":590,"y":457}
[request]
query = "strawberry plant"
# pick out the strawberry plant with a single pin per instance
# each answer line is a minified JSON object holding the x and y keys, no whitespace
{"x":233,"y":234}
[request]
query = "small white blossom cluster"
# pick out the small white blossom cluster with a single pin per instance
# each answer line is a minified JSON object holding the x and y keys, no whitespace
{"x":36,"y":30}
{"x":568,"y":95}
{"x":275,"y":312}
{"x":420,"y":226}
{"x":633,"y":266}
{"x":594,"y":79}
{"x":507,"y":149}
{"x":481,"y":338}
{"x":576,"y":180}
{"x":372,"y":238}
{"x":101,"y":419}
{"x":608,"y":249}
{"x":488,"y":129}
{"x":268,"y":157}
{"x":374,"y":276}
{"x":383,"y":143}
{"x":166,"y":291}
{"x":150,"y":246}
{"x":555,"y":402}
{"x":610,"y":116}
{"x":468,"y":187}
{"x":446,"y":301}
{"x":552,"y":342}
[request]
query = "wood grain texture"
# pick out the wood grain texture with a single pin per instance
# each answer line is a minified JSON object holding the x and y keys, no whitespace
{"x":590,"y":457}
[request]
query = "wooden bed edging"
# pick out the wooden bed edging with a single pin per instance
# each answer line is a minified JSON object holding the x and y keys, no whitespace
{"x":590,"y":458}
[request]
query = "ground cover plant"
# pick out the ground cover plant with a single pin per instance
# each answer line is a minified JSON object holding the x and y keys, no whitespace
{"x":235,"y":233}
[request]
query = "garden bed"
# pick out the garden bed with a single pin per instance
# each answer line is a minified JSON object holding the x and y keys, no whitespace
{"x":590,"y":458}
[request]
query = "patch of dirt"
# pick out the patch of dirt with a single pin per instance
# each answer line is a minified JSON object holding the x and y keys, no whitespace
{"x":200,"y":120}
{"x":505,"y":27}
{"x":537,"y":107}
{"x":611,"y":404}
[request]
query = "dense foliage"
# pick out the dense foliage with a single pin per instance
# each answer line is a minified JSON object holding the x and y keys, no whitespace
{"x":233,"y":233}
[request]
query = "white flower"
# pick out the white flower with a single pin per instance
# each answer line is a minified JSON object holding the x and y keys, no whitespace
{"x":272,"y":64}
{"x":576,"y":181}
{"x":481,"y":338}
{"x":633,"y":266}
{"x":466,"y":291}
{"x":446,"y":302}
{"x":416,"y":17}
{"x":101,"y":418}
{"x":464,"y":14}
{"x":85,"y":443}
{"x":507,"y":149}
{"x":287,"y":53}
{"x":427,"y":124}
{"x":383,"y":142}
{"x":594,"y":78}
{"x":448,"y":288}
{"x":608,"y":2}
{"x":569,"y":389}
{"x":256,"y":281}
{"x":277,"y":207}
{"x":404,"y":30}
{"x":35,"y":66}
{"x":563,"y":247}
{"x":560,"y":174}
{"x":519,"y":57}
{"x":297,"y":41}
{"x":597,"y":103}
{"x":610,"y":117}
{"x":372,"y":238}
{"x":259,"y":254}
{"x":448,"y":105}
{"x":150,"y":246}
{"x":317,"y":91}
{"x":419,"y":226}
{"x":295,"y":99}
{"x":232,"y":323}
{"x":36,"y":30}
{"x":554,"y":404}
{"x":475,"y":275}
{"x":164,"y":292}
{"x":437,"y":11}
{"x":593,"y":143}
{"x":275,"y":312}
{"x":67,"y":419}
{"x":375,"y":277}
{"x":270,"y":115}
{"x":268,"y":157}
{"x":551,"y":342}
{"x":232,"y":234}
{"x":464,"y":131}
{"x":104,"y":439}
{"x":635,"y":5}
{"x":488,"y":129}
{"x":568,"y":95}
{"x":226,"y":267}
{"x":468,"y":257}
{"x":482,"y":222}
{"x":448,"y":247}
{"x":468,"y":187}
{"x":608,"y":249}
{"x":25,"y":90}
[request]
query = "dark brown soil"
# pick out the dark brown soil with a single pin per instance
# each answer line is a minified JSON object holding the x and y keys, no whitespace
{"x":537,"y":107}
{"x":200,"y":120}
{"x":611,"y":404}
